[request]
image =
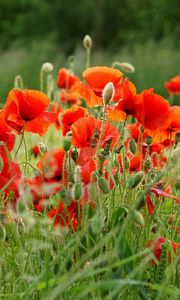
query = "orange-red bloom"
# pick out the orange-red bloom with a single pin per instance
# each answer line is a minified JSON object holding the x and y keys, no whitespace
{"x":24,"y":110}
{"x":86,"y":132}
{"x":152,"y":109}
{"x":157,"y":247}
{"x":6,"y":134}
{"x":66,"y":79}
{"x":96,"y":79}
{"x":173,"y":86}
{"x":70,"y":116}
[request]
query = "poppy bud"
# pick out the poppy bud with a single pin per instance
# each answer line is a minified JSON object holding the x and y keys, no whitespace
{"x":135,"y":179}
{"x":118,"y":150}
{"x":1,"y":164}
{"x":126,"y":163}
{"x":42,"y":147}
{"x":132,"y":146}
{"x":125,"y":66}
{"x":148,"y":140}
{"x":87,"y":41}
{"x":108,"y":93}
{"x":77,"y":174}
{"x":137,"y":217}
{"x":103,"y":185}
{"x":67,"y":143}
{"x":147,"y":164}
{"x":140,"y":197}
{"x":77,"y":191}
{"x":63,"y":193}
{"x":47,"y":67}
{"x":2,"y":233}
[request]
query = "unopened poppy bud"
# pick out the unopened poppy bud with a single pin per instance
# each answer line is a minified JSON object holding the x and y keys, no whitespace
{"x":125,"y":66}
{"x":87,"y":41}
{"x":108,"y":93}
{"x":47,"y":67}
{"x":132,"y":146}
{"x":1,"y":164}
{"x":2,"y":233}
{"x":67,"y":143}
{"x":135,"y":179}
{"x":148,"y":140}
{"x":42,"y":147}
{"x":177,"y":184}
{"x":77,"y":174}
{"x":63,"y":193}
{"x":118,"y":150}
{"x":140,"y":200}
{"x":137,"y":217}
{"x":77,"y":191}
{"x":103,"y":185}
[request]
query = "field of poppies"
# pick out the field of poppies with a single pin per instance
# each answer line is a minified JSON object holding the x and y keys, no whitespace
{"x":90,"y":187}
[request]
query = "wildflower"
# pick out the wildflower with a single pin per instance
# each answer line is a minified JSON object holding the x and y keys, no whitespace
{"x":66,"y":79}
{"x":173,"y":86}
{"x":24,"y":110}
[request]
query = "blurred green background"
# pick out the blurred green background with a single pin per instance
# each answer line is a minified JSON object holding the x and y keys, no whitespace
{"x":143,"y":32}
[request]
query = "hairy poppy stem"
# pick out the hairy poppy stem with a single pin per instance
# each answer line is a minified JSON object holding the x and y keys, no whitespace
{"x":101,"y":135}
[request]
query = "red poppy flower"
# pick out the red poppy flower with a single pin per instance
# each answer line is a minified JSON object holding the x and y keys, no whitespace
{"x":157,"y":246}
{"x":69,"y":97}
{"x":25,"y":110}
{"x":51,"y":164}
{"x":87,"y":162}
{"x":173,"y":86}
{"x":57,"y":109}
{"x":152,"y":109}
{"x":127,"y":103}
{"x":86,"y":133}
{"x":70,"y":116}
{"x":96,"y":79}
{"x":66,"y":79}
{"x":10,"y":175}
{"x":169,"y":128}
{"x":68,"y":216}
{"x":6,"y":134}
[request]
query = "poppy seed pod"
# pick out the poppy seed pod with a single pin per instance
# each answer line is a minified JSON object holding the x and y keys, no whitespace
{"x":148,"y":140}
{"x":135,"y":179}
{"x":108,"y":93}
{"x":103,"y":185}
{"x":47,"y":67}
{"x":67,"y":143}
{"x":87,"y":41}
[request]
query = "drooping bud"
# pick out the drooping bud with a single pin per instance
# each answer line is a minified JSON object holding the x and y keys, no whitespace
{"x":21,"y":206}
{"x":67,"y":143}
{"x":42,"y":147}
{"x":87,"y":41}
{"x":47,"y":67}
{"x":140,"y":200}
{"x":125,"y":66}
{"x":171,"y":219}
{"x":108,"y":93}
{"x":103,"y":185}
{"x":77,"y":191}
{"x":137,"y":217}
{"x":132,"y":146}
{"x":135,"y":179}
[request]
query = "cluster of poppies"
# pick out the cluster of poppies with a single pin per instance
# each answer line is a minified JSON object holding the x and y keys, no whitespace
{"x":107,"y":129}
